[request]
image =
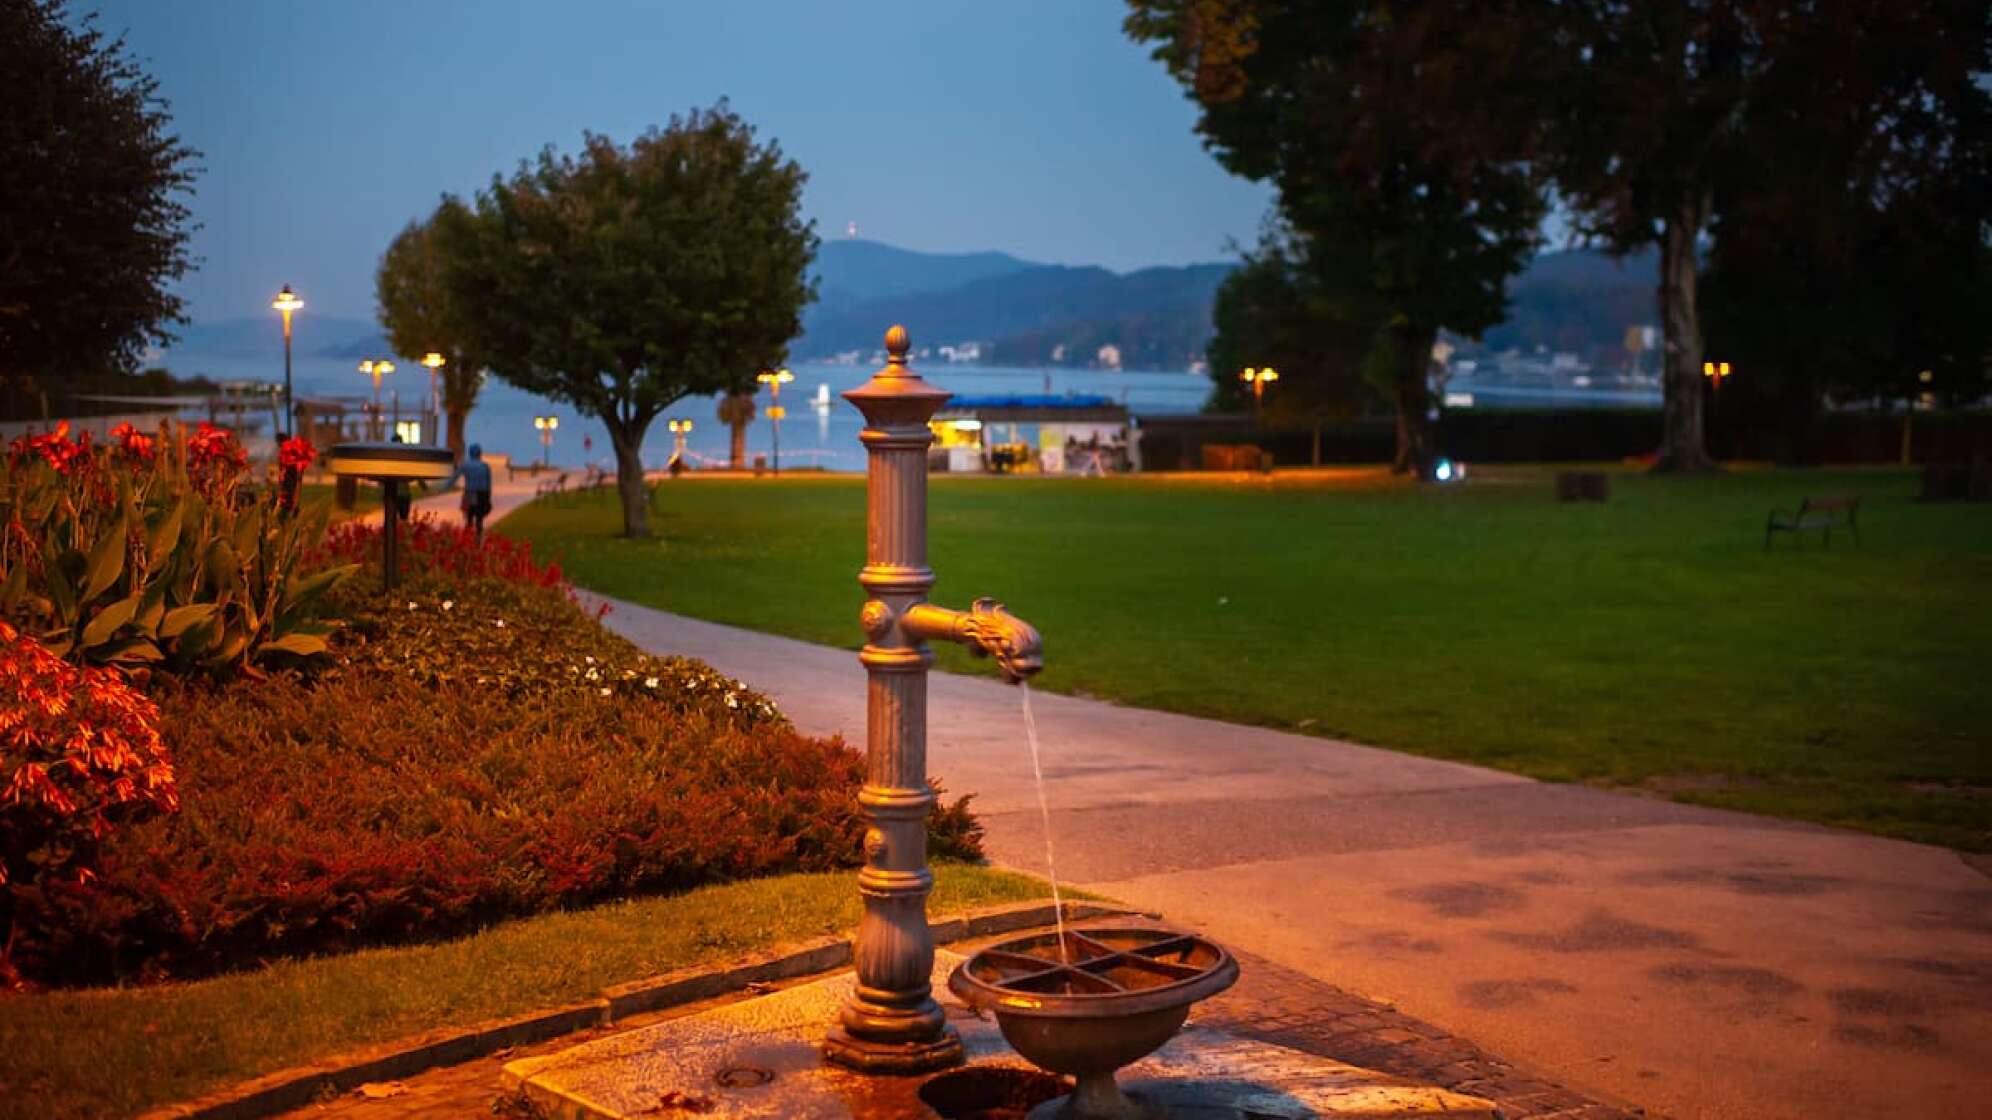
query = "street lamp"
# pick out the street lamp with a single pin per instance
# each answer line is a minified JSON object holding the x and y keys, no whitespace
{"x":1257,"y":379}
{"x":287,"y":302}
{"x":680,"y":430}
{"x":435,"y":363}
{"x":377,"y":369}
{"x":774,"y":379}
{"x":546,"y":425}
{"x":1716,"y":372}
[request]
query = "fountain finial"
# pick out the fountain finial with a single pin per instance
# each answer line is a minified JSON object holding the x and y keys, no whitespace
{"x":897,"y":343}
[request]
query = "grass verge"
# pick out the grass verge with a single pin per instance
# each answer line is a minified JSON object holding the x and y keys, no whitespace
{"x":1649,"y":642}
{"x":116,"y":1052}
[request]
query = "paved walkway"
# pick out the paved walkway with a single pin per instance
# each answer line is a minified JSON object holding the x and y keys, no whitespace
{"x":1691,"y":961}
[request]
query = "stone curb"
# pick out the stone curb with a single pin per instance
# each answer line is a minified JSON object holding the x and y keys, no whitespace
{"x":300,"y":1086}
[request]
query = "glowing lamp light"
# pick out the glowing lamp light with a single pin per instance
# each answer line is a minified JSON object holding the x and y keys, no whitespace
{"x":433,"y":360}
{"x":1717,"y":370}
{"x":776,"y":377}
{"x":1445,"y":470}
{"x":287,"y":301}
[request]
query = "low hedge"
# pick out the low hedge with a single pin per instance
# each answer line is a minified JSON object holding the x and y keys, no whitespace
{"x":480,"y":748}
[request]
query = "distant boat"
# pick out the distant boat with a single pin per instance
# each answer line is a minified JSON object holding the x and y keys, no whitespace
{"x":822,"y":402}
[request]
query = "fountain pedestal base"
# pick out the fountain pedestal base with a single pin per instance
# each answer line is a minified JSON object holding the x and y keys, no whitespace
{"x":865,"y":1056}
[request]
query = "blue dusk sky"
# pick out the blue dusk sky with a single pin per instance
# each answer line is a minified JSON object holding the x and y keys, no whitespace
{"x":1029,"y":126}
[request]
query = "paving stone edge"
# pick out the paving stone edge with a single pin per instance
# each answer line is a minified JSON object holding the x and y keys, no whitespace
{"x":300,"y":1086}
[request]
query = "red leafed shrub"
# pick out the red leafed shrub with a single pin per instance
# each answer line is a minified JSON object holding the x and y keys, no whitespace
{"x":80,"y":755}
{"x":500,"y":757}
{"x":428,"y":545}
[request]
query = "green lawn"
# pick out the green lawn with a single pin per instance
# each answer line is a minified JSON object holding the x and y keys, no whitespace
{"x":117,"y":1052}
{"x":1649,"y":641}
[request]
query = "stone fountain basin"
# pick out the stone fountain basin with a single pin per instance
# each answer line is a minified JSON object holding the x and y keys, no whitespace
{"x":1107,"y":998}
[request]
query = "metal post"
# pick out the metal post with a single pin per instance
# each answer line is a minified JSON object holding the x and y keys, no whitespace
{"x":290,"y":409}
{"x":390,"y":544}
{"x":891,"y":1023}
{"x":775,"y":411}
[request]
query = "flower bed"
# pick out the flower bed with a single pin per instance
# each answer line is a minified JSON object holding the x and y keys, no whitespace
{"x":477,"y":747}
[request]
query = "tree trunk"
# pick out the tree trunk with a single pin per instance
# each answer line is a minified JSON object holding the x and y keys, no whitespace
{"x":1317,"y":442}
{"x":736,"y":453}
{"x":1414,"y":430}
{"x":1683,"y":442}
{"x":628,"y":441}
{"x":454,"y":430}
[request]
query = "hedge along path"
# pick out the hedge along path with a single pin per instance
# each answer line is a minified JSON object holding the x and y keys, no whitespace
{"x":118,"y":1052}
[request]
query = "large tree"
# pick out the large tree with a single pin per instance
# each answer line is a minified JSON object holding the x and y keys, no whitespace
{"x":623,"y":279}
{"x":416,"y":309}
{"x":1399,"y":138}
{"x":93,"y":223}
{"x":1852,"y":252}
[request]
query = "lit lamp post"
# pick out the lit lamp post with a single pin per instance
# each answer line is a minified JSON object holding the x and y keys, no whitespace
{"x":377,"y":370}
{"x":1257,"y":379}
{"x":546,"y":425}
{"x":1716,"y":372}
{"x":680,"y":429}
{"x":287,"y":302}
{"x":435,"y":362}
{"x":774,"y":379}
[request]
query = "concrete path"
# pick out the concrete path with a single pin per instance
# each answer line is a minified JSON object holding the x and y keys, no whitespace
{"x":448,"y":507}
{"x":1695,"y":962}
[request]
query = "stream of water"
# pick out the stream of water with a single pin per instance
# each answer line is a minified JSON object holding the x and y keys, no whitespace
{"x":1044,"y":811}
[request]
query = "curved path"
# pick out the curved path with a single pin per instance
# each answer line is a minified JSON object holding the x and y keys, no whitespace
{"x":1696,"y":962}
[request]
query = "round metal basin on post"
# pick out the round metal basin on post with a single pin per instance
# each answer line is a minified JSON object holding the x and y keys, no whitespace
{"x":1108,"y":999}
{"x":390,"y":464}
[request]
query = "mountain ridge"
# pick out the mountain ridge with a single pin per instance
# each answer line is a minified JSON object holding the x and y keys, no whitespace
{"x":1027,"y":313}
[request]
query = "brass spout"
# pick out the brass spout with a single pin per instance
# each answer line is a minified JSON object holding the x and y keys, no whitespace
{"x":986,"y":629}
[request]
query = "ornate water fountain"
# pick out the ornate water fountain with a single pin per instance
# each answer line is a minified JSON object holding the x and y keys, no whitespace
{"x":891,"y":1023}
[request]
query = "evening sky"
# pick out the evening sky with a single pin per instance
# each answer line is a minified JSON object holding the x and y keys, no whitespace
{"x":1029,"y":126}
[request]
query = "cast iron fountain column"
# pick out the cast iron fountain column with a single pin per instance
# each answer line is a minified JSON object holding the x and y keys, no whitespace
{"x":891,"y":1024}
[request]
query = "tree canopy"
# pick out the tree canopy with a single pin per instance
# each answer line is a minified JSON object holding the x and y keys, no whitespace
{"x":622,"y":279}
{"x":417,"y":312}
{"x":1394,"y":138}
{"x":93,"y":223}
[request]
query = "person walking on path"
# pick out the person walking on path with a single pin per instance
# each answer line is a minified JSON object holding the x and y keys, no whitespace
{"x":476,"y":476}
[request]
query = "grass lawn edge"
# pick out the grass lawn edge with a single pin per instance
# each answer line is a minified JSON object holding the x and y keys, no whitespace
{"x":256,"y":1089}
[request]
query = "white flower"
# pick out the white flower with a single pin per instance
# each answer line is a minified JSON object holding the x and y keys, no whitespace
{"x":411,"y":604}
{"x":449,"y":604}
{"x":591,"y":661}
{"x":499,"y":623}
{"x":650,"y":682}
{"x":605,"y":692}
{"x":732,"y":701}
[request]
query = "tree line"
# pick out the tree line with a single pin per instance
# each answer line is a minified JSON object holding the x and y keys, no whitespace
{"x":1816,"y":176}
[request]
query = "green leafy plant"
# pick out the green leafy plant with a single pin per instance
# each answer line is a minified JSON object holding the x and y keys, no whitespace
{"x":149,"y":551}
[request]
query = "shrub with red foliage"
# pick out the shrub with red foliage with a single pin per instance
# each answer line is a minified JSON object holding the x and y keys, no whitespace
{"x":430,"y":783}
{"x":455,"y":551}
{"x":80,"y":755}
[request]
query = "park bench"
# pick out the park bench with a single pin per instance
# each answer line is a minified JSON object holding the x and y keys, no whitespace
{"x":596,"y":477}
{"x":1816,"y":513}
{"x":553,"y":485}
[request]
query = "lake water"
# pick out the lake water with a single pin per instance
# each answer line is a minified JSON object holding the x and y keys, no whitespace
{"x":503,"y":418}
